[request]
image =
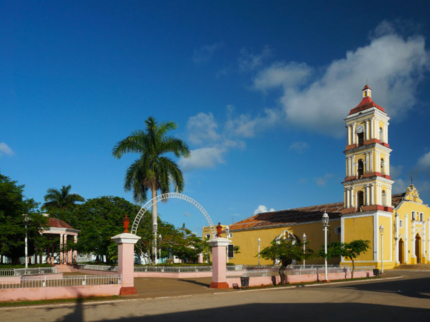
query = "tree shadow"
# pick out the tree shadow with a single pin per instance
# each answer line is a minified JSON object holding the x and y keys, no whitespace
{"x":194,"y":282}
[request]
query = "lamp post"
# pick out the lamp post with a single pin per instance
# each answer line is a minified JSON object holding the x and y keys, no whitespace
{"x":159,"y":250}
{"x":26,"y":219}
{"x":259,"y":243}
{"x":325,"y":221}
{"x":304,"y":249}
{"x":381,"y":230}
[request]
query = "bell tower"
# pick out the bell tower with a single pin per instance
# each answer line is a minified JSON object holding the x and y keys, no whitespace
{"x":367,"y":185}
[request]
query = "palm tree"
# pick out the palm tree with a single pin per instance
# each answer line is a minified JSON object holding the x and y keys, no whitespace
{"x":152,"y":171}
{"x":61,"y":199}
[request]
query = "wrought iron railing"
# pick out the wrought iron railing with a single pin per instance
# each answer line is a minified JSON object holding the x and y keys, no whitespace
{"x":46,"y":281}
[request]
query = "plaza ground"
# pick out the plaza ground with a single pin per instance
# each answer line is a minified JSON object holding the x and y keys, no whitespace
{"x":397,"y":299}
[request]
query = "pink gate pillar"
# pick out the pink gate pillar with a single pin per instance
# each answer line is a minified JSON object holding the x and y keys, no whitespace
{"x":126,"y":243}
{"x":219,"y":262}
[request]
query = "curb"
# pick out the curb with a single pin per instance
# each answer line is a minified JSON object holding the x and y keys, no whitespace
{"x":308,"y":285}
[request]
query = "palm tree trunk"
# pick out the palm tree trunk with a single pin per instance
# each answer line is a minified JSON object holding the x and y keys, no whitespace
{"x":154,"y":224}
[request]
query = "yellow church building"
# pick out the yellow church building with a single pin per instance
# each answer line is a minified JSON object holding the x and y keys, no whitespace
{"x":367,"y":207}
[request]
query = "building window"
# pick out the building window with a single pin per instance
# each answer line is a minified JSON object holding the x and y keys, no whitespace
{"x":208,"y":236}
{"x":360,"y":168}
{"x":230,"y":251}
{"x":421,"y":217}
{"x":381,"y":134}
{"x":413,"y":215}
{"x":338,"y":230}
{"x":384,"y":198}
{"x":401,"y":223}
{"x":382,"y":166}
{"x":361,"y":139}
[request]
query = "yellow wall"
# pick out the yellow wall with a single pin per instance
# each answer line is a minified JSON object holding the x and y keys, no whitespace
{"x":360,"y":228}
{"x":248,"y":240}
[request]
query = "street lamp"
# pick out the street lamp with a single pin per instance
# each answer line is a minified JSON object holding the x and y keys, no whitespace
{"x":381,"y":230}
{"x":325,"y":221}
{"x":304,"y":249}
{"x":259,"y":243}
{"x":26,"y":219}
{"x":159,"y":256}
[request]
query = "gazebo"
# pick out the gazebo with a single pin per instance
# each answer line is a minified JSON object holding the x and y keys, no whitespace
{"x":66,"y":233}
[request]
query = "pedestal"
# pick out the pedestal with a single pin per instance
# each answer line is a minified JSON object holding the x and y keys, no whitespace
{"x":126,"y":243}
{"x":219,"y":261}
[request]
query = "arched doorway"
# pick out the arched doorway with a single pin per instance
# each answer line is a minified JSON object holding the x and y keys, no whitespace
{"x":401,"y":251}
{"x":418,"y":248}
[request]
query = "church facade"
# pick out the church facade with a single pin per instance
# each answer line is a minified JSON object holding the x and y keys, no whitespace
{"x":397,"y":226}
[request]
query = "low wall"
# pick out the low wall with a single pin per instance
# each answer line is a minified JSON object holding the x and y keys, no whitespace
{"x":57,"y":276}
{"x":182,"y":274}
{"x":296,"y":279}
{"x":11,"y":280}
{"x":51,"y":293}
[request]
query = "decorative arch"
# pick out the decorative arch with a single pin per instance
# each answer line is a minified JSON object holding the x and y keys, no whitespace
{"x":148,"y":205}
{"x":286,"y":233}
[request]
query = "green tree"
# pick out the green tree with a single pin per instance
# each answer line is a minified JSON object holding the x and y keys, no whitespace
{"x":61,"y":199}
{"x":99,"y":219}
{"x":286,"y":251}
{"x":13,"y":205}
{"x":349,"y":250}
{"x":153,"y":170}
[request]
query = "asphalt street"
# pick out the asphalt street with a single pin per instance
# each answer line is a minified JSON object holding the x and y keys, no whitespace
{"x":397,"y":299}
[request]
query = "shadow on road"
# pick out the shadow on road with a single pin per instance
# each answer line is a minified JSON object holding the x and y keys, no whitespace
{"x":409,"y":287}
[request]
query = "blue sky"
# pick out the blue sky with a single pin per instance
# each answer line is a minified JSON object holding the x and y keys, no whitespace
{"x":258,"y":89}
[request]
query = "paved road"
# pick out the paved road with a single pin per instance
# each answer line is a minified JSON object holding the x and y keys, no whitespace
{"x":406,"y":299}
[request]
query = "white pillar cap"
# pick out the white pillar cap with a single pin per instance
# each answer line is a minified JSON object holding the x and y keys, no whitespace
{"x":219,"y":242}
{"x":126,"y":238}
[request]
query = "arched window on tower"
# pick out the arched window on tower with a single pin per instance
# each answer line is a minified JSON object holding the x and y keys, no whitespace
{"x":384,"y":198}
{"x":360,"y":201}
{"x":382,"y":167}
{"x":360,"y":169}
{"x":381,"y":134}
{"x":360,"y":139}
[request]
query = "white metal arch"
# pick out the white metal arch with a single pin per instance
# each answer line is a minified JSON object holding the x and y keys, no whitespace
{"x":148,"y":205}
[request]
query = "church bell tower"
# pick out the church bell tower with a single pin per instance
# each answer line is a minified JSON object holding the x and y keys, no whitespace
{"x":367,"y":185}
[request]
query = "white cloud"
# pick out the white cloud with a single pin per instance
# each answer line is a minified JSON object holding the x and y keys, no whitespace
{"x":261,"y":209}
{"x":187,"y":214}
{"x":322,"y":181}
{"x":423,"y":165}
{"x":206,"y":157}
{"x":204,"y":54}
{"x":248,"y":61}
{"x":395,"y":171}
{"x":299,"y":146}
{"x":246,"y":126}
{"x":5,"y":149}
{"x":399,"y":186}
{"x":202,"y":128}
{"x":393,"y":66}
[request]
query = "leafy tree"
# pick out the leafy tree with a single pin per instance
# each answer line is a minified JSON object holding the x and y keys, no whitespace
{"x":61,"y":199}
{"x":99,"y":219}
{"x":286,"y":251}
{"x":349,"y":250}
{"x":13,"y":205}
{"x":153,"y":170}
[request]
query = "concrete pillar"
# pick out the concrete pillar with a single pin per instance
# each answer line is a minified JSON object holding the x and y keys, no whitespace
{"x":349,"y":134}
{"x":396,"y":238}
{"x":200,"y":258}
{"x":219,"y":261}
{"x":367,"y":130}
{"x":406,"y":239}
{"x":61,"y":249}
{"x":367,"y":195}
{"x":75,"y":253}
{"x":353,"y":134}
{"x":126,"y":243}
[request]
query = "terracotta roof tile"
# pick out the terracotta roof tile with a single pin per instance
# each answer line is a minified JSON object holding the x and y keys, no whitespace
{"x":297,"y":215}
{"x":365,"y":104}
{"x":57,"y":223}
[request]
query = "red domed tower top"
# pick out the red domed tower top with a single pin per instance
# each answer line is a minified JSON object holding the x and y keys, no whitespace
{"x":367,"y":102}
